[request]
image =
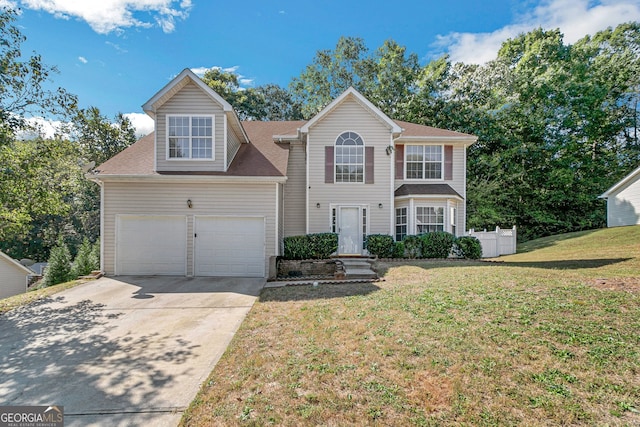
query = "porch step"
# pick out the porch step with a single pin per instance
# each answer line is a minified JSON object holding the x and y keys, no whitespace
{"x":358,"y":268}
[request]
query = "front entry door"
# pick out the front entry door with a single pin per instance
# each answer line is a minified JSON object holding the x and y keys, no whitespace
{"x":349,"y":234}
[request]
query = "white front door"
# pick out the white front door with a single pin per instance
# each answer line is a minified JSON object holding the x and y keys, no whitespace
{"x":349,"y":231}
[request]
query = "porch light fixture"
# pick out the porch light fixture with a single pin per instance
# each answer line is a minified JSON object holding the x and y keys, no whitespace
{"x":389,"y":149}
{"x":189,"y":203}
{"x":318,"y":205}
{"x":380,"y":205}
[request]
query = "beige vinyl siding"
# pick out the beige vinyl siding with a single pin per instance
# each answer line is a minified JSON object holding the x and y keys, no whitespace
{"x":294,"y":191}
{"x":458,"y":177}
{"x":13,"y":280}
{"x":208,"y":199}
{"x":233,"y":145}
{"x":623,"y":206}
{"x":349,"y":116}
{"x":189,"y":101}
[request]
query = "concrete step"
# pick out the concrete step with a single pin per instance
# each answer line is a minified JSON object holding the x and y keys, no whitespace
{"x":360,"y":273}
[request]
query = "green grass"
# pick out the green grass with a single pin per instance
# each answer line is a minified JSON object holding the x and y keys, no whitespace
{"x":544,"y":337}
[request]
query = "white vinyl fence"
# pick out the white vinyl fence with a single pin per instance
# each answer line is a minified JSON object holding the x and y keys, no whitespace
{"x":496,"y":243}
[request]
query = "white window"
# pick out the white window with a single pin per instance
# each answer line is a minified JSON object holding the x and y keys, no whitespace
{"x":454,"y":214}
{"x":423,"y":162}
{"x":401,"y":224}
{"x":190,"y":137}
{"x":349,"y":158}
{"x":429,"y":219}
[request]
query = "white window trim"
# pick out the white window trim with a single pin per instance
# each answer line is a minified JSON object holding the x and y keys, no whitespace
{"x":406,"y":223}
{"x":190,"y":159}
{"x":335,"y":163}
{"x":424,"y":179}
{"x":434,"y":206}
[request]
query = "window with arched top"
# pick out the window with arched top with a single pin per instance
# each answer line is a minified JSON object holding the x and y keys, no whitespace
{"x":349,"y":161}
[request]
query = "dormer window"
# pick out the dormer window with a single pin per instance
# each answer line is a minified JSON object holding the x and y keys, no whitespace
{"x":190,"y":137}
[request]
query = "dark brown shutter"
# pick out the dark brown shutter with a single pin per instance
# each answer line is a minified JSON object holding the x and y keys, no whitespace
{"x":368,"y":165}
{"x":328,"y":164}
{"x":448,"y":162}
{"x":399,"y":161}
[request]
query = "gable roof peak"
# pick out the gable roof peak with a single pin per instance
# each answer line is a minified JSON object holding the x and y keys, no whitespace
{"x":178,"y":82}
{"x":362,"y":100}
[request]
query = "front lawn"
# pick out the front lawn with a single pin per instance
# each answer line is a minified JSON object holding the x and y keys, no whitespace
{"x":545,"y":337}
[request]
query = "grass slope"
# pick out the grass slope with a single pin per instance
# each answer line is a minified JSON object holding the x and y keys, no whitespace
{"x":545,"y":337}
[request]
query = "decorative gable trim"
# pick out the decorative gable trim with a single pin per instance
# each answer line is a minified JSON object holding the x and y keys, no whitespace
{"x":351,"y":92}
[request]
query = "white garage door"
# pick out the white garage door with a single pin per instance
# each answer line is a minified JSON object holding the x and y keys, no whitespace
{"x":229,"y":246}
{"x":151,"y":245}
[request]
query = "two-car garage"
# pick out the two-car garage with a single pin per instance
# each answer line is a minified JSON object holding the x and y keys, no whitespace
{"x":160,"y":245}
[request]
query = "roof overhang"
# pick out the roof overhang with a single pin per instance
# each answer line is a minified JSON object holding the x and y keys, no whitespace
{"x":16,"y":264}
{"x":624,"y":181}
{"x":239,"y":179}
{"x":467,"y":141}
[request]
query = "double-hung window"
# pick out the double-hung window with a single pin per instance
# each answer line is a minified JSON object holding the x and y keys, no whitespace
{"x":349,"y":162}
{"x":190,"y":137}
{"x":423,"y":161}
{"x":429,"y":219}
{"x":401,"y":224}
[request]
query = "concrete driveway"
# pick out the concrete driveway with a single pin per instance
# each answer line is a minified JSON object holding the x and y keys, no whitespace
{"x":121,"y":351}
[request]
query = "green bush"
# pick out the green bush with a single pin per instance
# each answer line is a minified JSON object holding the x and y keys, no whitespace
{"x":59,"y":265}
{"x":468,"y":247}
{"x":412,"y":246}
{"x":398,"y":250}
{"x":310,"y":246}
{"x":323,"y":244}
{"x":380,"y":245}
{"x":437,"y":244}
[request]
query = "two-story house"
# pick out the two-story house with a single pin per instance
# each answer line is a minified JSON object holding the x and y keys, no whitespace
{"x":208,"y":195}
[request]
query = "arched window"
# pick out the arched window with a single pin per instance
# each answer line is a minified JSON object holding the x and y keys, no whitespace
{"x":349,"y":158}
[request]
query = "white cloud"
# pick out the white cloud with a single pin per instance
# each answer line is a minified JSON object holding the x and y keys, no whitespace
{"x":575,"y":18}
{"x":82,"y":59}
{"x":116,"y":47}
{"x":8,"y":4}
{"x":141,"y":122}
{"x":106,"y":16}
{"x":46,"y":128}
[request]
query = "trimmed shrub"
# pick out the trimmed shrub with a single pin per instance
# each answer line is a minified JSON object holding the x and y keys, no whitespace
{"x":296,"y":247}
{"x":310,"y":246}
{"x":468,"y":247}
{"x":380,"y":245}
{"x":322,"y":244}
{"x":437,"y":244}
{"x":59,"y":265}
{"x":412,"y":246}
{"x":398,"y":250}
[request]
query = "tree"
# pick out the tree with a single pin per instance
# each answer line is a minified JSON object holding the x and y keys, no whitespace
{"x":268,"y":102}
{"x":59,"y":266}
{"x":22,"y":81}
{"x":84,"y":262}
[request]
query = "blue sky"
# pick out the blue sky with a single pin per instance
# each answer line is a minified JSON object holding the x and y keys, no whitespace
{"x":116,"y":54}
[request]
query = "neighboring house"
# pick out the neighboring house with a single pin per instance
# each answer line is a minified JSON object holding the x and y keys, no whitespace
{"x":14,"y":276}
{"x":623,"y":201}
{"x":209,"y":195}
